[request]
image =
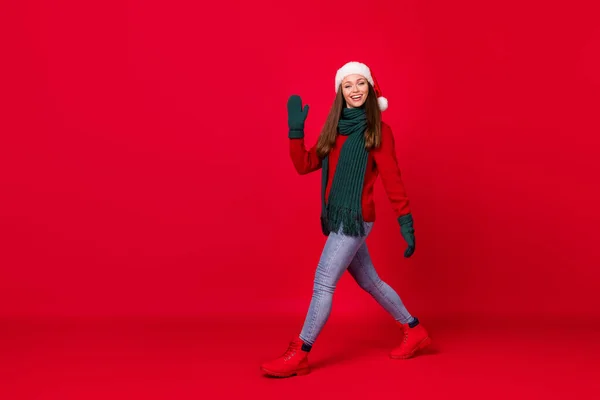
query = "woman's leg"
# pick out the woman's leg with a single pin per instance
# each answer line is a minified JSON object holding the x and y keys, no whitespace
{"x":414,"y":335}
{"x":337,"y":254}
{"x":362,"y":270}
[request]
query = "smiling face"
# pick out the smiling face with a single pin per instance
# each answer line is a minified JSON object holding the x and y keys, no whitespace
{"x":355,"y":89}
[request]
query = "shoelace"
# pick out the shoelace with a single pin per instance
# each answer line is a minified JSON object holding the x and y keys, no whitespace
{"x":291,"y":350}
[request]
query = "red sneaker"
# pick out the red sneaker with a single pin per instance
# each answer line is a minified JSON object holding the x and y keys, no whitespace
{"x":293,"y":362}
{"x":414,"y":339}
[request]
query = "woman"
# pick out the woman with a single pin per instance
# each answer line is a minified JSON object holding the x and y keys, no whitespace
{"x":354,"y":147}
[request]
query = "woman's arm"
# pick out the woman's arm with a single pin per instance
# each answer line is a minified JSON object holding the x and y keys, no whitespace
{"x":387,"y":165}
{"x":391,"y":177}
{"x":304,"y":161}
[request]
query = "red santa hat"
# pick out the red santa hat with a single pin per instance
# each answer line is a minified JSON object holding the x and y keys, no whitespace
{"x":354,"y":67}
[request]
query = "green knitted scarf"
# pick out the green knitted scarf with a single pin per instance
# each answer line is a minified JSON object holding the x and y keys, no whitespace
{"x":344,"y":205}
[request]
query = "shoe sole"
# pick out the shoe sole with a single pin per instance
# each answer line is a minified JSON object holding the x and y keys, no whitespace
{"x":303,"y":371}
{"x":424,"y":343}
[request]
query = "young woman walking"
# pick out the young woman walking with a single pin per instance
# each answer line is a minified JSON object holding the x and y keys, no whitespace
{"x":353,"y":149}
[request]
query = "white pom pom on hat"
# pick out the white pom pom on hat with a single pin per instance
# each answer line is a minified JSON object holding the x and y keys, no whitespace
{"x":355,"y":67}
{"x":382,"y":102}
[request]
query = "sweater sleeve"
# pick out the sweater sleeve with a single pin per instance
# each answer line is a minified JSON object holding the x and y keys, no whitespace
{"x":391,"y":177}
{"x":304,"y":161}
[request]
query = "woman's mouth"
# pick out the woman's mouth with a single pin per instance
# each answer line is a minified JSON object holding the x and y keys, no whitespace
{"x":357,"y":97}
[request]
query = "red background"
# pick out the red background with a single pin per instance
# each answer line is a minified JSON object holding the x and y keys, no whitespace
{"x":145,"y":164}
{"x":145,"y":170}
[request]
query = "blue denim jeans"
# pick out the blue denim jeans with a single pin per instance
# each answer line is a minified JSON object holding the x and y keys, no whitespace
{"x":350,"y":253}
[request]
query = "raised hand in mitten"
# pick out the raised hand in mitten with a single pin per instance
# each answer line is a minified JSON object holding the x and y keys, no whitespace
{"x":408,"y":233}
{"x":296,"y":117}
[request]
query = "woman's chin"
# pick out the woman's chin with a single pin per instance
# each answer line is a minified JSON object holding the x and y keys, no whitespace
{"x":352,"y":104}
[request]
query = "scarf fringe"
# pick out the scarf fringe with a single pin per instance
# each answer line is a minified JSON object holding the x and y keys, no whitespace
{"x":351,"y":221}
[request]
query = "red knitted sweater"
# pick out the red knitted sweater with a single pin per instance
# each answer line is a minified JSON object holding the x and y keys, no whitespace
{"x":381,"y":161}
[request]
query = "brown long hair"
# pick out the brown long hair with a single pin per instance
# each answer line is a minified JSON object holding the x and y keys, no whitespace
{"x":329,"y":132}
